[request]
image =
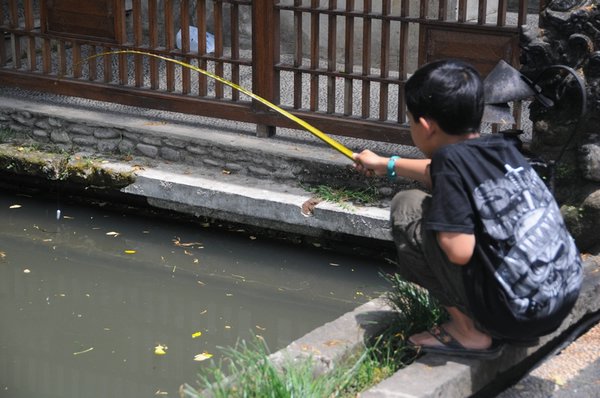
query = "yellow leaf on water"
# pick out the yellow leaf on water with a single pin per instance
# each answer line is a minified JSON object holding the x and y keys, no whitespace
{"x":202,"y":357}
{"x":160,"y":349}
{"x":196,"y":335}
{"x":130,"y":251}
{"x":15,"y":207}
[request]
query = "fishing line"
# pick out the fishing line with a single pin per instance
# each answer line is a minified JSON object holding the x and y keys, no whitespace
{"x":310,"y":128}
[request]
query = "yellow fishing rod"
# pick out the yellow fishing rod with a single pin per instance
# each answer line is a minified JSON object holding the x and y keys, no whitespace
{"x":310,"y":128}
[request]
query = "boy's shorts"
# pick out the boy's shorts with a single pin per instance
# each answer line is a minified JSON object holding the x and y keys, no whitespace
{"x":420,"y":258}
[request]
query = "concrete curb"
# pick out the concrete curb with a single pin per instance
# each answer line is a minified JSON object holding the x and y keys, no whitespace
{"x":253,"y":205}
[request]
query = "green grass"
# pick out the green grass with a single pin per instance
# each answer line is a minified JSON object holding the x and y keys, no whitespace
{"x":245,"y":371}
{"x":344,"y":196}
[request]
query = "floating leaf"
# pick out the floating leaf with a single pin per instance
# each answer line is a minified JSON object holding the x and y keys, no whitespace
{"x":177,"y":241}
{"x":15,"y":207}
{"x":196,"y":335}
{"x":334,"y":264}
{"x":113,"y":233}
{"x":202,"y":357}
{"x":84,"y":351}
{"x":252,"y":237}
{"x":260,"y":327}
{"x":160,"y":349}
{"x":27,"y":271}
{"x":130,"y":251}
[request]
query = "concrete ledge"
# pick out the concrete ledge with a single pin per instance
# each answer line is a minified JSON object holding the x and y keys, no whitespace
{"x":254,"y":205}
{"x":336,"y":340}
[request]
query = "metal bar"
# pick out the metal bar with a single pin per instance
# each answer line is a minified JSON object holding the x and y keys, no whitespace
{"x":29,"y":27}
{"x":137,"y":41}
{"x":15,"y":41}
{"x":403,"y":60}
{"x":186,"y":84}
{"x":107,"y":59}
{"x":276,"y":35}
{"x":297,"y":56}
{"x":169,"y":42}
{"x":3,"y":57}
{"x":502,"y":8}
{"x":201,"y":22}
{"x":424,"y":9}
{"x":46,"y":56}
{"x":443,"y":10}
{"x":121,"y":36}
{"x":331,"y":56}
{"x":481,"y":12}
{"x":462,"y":11}
{"x":314,"y":56}
{"x":522,"y":18}
{"x":76,"y":59}
{"x":153,"y":32}
{"x":384,"y":61}
{"x":349,"y":59}
{"x":235,"y":48}
{"x":366,"y":61}
{"x":218,"y":19}
{"x":92,"y":65}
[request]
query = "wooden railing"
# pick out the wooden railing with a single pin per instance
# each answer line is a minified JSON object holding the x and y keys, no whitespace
{"x":340,"y":65}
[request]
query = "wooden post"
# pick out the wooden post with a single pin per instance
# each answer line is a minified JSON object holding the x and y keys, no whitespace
{"x":263,"y":50}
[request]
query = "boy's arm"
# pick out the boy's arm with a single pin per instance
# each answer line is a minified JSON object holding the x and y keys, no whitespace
{"x":458,"y":246}
{"x":370,"y":163}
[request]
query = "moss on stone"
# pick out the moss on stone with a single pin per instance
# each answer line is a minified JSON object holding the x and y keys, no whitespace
{"x":31,"y":161}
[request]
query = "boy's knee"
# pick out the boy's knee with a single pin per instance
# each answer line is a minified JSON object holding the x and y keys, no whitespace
{"x":407,"y":206}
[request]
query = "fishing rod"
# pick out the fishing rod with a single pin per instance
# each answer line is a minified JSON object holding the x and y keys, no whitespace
{"x":310,"y":128}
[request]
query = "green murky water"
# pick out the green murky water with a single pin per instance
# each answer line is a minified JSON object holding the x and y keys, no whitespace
{"x":86,"y":299}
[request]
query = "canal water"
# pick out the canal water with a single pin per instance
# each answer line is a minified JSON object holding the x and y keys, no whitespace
{"x":96,"y":303}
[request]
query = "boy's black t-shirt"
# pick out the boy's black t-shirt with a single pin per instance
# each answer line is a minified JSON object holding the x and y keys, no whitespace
{"x":525,"y":273}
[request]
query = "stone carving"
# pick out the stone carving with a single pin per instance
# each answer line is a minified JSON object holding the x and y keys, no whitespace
{"x":569,"y":34}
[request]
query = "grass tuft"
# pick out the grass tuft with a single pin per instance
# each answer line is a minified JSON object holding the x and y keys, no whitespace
{"x":245,"y":370}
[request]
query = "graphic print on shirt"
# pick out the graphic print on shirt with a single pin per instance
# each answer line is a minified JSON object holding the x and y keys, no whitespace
{"x":540,"y":263}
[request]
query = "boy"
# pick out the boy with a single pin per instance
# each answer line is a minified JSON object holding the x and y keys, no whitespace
{"x":489,"y":241}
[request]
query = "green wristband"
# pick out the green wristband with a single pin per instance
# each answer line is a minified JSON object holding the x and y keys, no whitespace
{"x":391,"y":172}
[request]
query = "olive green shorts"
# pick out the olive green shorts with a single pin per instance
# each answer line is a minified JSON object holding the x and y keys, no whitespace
{"x":420,"y":258}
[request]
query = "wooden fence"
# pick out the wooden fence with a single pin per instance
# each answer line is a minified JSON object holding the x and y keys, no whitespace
{"x":338,"y":64}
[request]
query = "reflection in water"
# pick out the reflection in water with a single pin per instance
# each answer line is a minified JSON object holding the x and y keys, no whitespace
{"x":85,"y":299}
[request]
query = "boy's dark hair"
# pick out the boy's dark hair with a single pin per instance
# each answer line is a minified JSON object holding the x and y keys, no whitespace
{"x":449,"y":92}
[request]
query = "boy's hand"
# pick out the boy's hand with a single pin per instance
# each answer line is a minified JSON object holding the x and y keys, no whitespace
{"x":370,"y":163}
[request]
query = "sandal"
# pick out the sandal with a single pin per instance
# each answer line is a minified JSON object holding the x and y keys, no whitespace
{"x":451,"y":346}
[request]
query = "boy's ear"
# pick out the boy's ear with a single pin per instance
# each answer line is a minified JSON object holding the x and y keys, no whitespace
{"x":428,"y":125}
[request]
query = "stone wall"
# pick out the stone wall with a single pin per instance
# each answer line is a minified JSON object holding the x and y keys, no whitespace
{"x":123,"y":137}
{"x":569,"y":34}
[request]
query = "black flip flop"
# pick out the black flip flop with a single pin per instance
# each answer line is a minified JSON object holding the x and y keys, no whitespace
{"x":450,"y":346}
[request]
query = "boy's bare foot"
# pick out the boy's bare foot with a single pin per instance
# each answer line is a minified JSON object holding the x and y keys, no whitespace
{"x":470,"y":339}
{"x":460,"y":329}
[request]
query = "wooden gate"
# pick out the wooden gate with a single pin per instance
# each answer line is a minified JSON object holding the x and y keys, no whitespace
{"x":339,"y":64}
